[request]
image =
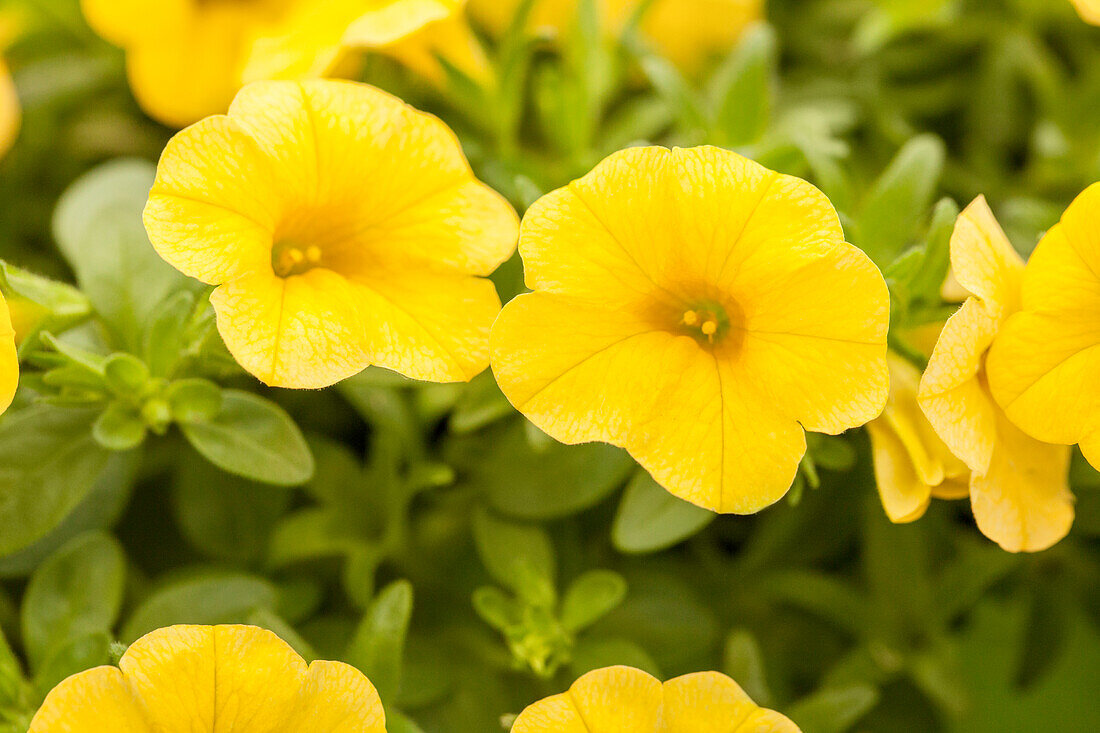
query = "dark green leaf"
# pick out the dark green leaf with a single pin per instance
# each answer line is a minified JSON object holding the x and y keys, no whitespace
{"x":651,"y":519}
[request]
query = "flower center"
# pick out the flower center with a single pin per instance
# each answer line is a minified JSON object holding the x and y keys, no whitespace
{"x":707,"y":322}
{"x":289,"y":258}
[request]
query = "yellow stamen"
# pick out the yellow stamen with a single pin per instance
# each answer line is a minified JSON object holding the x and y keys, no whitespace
{"x":709,"y":328}
{"x":313,"y":254}
{"x":691,"y":318}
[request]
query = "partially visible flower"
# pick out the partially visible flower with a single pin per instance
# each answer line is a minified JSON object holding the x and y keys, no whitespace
{"x":688,"y":32}
{"x":342,"y":227}
{"x":912,"y":465}
{"x":700,"y":311}
{"x":1018,"y":488}
{"x":187,"y":58}
{"x":1089,"y":10}
{"x":213,"y":678}
{"x":623,"y":699}
{"x":9,"y":358}
{"x":1045,"y":365}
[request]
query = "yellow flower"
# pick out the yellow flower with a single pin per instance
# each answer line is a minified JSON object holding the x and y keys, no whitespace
{"x":9,"y":111}
{"x":1044,"y":365}
{"x":1089,"y":10}
{"x":1018,"y":486}
{"x":213,"y":678}
{"x":187,"y":58}
{"x":342,"y":228}
{"x":626,"y":700}
{"x":912,"y":464}
{"x":9,"y":358}
{"x":688,"y":32}
{"x":700,"y":311}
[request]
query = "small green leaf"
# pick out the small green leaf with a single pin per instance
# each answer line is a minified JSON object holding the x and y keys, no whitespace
{"x":495,"y":607}
{"x":591,"y":597}
{"x":744,"y":662}
{"x":377,"y":648}
{"x":76,"y":592}
{"x":650,"y":519}
{"x":75,"y":655}
{"x":126,"y":375}
{"x":743,"y":88}
{"x":48,"y":465}
{"x":833,"y":710}
{"x":590,"y":654}
{"x":254,"y":438}
{"x":120,"y":427}
{"x":519,"y":556}
{"x":205,"y":599}
{"x":194,"y":400}
{"x":481,"y":403}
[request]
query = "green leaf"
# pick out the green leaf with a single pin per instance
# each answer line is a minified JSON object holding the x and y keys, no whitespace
{"x":119,"y":427}
{"x":98,"y":227}
{"x":254,"y":438}
{"x":527,"y":483}
{"x":743,"y":661}
{"x":481,"y":403}
{"x":194,"y":400}
{"x":398,"y":722}
{"x":53,"y":306}
{"x":742,"y":88}
{"x":900,"y":198}
{"x":519,"y":556}
{"x":76,"y":592}
{"x":495,"y":607}
{"x":48,"y":465}
{"x":592,"y":654}
{"x":650,"y":519}
{"x":126,"y":375}
{"x":833,"y":710}
{"x":75,"y":655}
{"x":226,"y":517}
{"x":377,"y":649}
{"x":591,"y":597}
{"x":205,"y":599}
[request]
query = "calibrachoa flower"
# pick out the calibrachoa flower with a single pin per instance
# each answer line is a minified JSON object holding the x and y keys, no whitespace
{"x":688,"y":32}
{"x":1089,"y":10}
{"x":912,"y":464}
{"x":9,"y":111}
{"x":187,"y":58}
{"x":1045,"y":364}
{"x":700,"y":311}
{"x":342,"y":228}
{"x":1018,"y":485}
{"x":9,"y":358}
{"x":626,"y":700}
{"x":213,"y":678}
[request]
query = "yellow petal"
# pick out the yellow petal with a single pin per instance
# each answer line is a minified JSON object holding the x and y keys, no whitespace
{"x":709,"y":702}
{"x":427,"y":325}
{"x":172,"y":673}
{"x":1089,"y":10}
{"x":335,"y":698}
{"x":123,"y":22}
{"x":10,"y":114}
{"x":618,"y":699}
{"x":557,"y":714}
{"x":212,"y":212}
{"x":692,"y":32}
{"x":698,"y":424}
{"x":904,"y":496}
{"x":1023,"y":503}
{"x":951,"y":393}
{"x":258,"y":679}
{"x":303,"y":332}
{"x":96,"y":700}
{"x":396,"y":21}
{"x":984,"y":261}
{"x":9,"y":358}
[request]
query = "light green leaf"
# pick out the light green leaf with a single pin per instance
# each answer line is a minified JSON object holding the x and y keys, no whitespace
{"x":519,"y":556}
{"x":651,"y":519}
{"x":206,"y":599}
{"x":254,"y":438}
{"x":833,"y":710}
{"x":591,"y":597}
{"x":377,"y":649}
{"x":76,"y":592}
{"x":742,"y":90}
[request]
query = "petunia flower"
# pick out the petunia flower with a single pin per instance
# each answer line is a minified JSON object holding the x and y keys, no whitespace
{"x":701,"y":312}
{"x":187,"y":58}
{"x":912,"y":464}
{"x":1018,"y":485}
{"x":627,"y":700}
{"x":342,"y":228}
{"x":10,"y":113}
{"x":687,"y":32}
{"x":1089,"y":10}
{"x":213,"y":678}
{"x":9,"y":358}
{"x":1045,"y":364}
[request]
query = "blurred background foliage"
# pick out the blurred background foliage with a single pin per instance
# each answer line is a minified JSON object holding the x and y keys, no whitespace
{"x":428,"y":534}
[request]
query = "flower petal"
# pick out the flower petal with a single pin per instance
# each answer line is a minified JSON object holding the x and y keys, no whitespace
{"x":555,"y":714}
{"x":984,"y":261}
{"x":96,"y":700}
{"x":397,"y":20}
{"x":302,"y":332}
{"x":905,"y":497}
{"x":257,"y":681}
{"x":1023,"y":503}
{"x":9,"y":358}
{"x":172,"y":673}
{"x":706,"y":702}
{"x":335,"y":698}
{"x":618,"y":700}
{"x":212,"y":211}
{"x":951,"y":393}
